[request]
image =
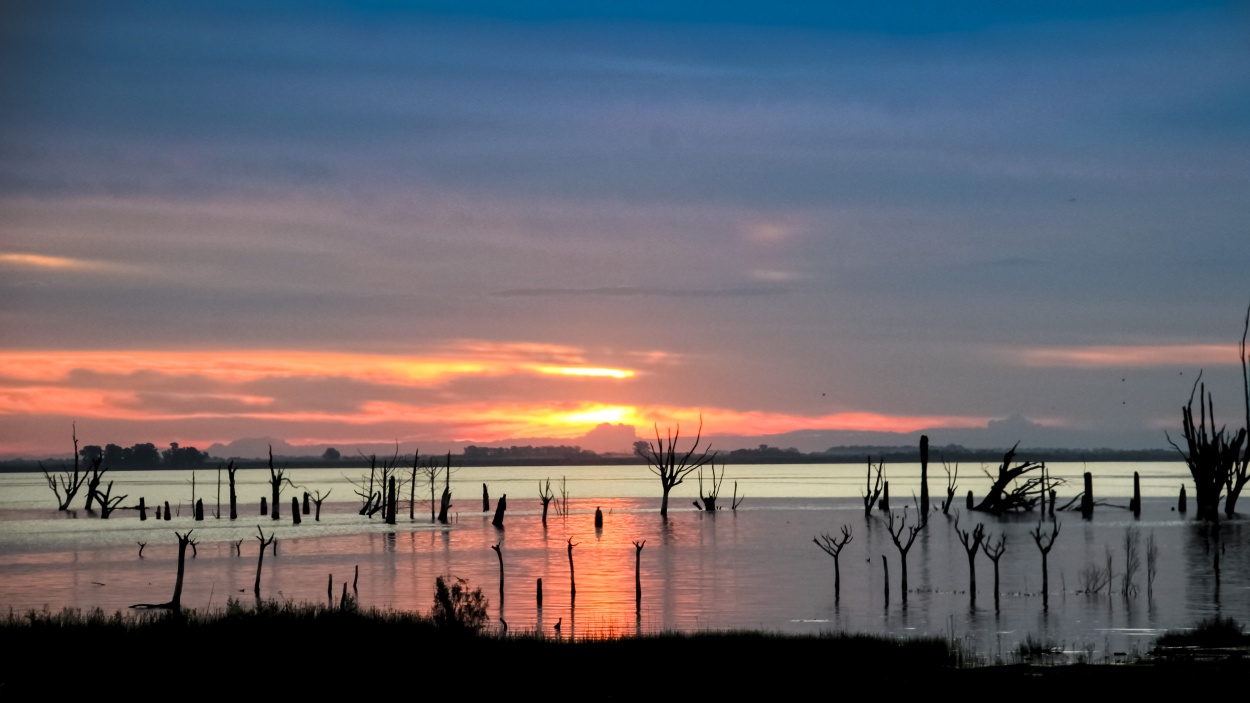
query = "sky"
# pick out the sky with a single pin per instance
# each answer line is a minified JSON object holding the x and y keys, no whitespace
{"x":339,"y":223}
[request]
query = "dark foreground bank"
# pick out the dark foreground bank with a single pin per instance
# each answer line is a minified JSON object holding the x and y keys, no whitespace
{"x":286,"y":652}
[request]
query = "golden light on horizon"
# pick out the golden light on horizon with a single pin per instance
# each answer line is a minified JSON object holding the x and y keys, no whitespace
{"x":42,"y":261}
{"x":586,"y":372}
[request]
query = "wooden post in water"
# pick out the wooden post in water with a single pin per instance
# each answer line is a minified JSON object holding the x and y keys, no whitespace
{"x":1087,"y":498}
{"x":572,"y":577}
{"x":392,"y":502}
{"x":500,"y":555}
{"x":924,"y":474}
{"x":168,"y":517}
{"x":540,"y":594}
{"x":143,"y":510}
{"x":970,"y":502}
{"x":598,"y":518}
{"x":264,"y":506}
{"x":1181,"y":502}
{"x":307,"y":507}
{"x":500,"y":507}
{"x":485,"y":499}
{"x":295,"y":519}
{"x":1135,"y":504}
{"x":638,"y":574}
{"x":199,"y":510}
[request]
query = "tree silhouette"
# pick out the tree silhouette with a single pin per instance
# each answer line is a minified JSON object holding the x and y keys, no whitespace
{"x":903,"y":545}
{"x":833,"y":547}
{"x":972,"y":542}
{"x":67,"y":481}
{"x":671,"y":465}
{"x":1044,"y":543}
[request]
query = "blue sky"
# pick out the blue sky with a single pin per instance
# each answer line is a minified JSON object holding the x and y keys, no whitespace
{"x":796,"y":215}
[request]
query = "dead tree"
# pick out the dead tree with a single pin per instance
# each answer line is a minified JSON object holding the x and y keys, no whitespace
{"x":638,"y":573}
{"x":175,"y":603}
{"x":1134,"y":503}
{"x":873,"y":488}
{"x":1240,"y":474}
{"x":709,"y":501}
{"x":903,"y":545}
{"x":234,"y":507}
{"x":672,"y":466}
{"x":545,"y":494}
{"x":93,"y":481}
{"x":430,"y":471}
{"x":735,"y":501}
{"x":275,"y":485}
{"x":1044,"y":543}
{"x":217,"y":512}
{"x":143,"y":510}
{"x":572,"y":575}
{"x":972,"y":543}
{"x":1009,"y":493}
{"x":1214,"y":457}
{"x":995,"y":552}
{"x":499,"y":511}
{"x":295,"y":511}
{"x":66,"y":481}
{"x":1132,"y":561}
{"x":445,"y":504}
{"x":260,"y":558}
{"x":499,"y":553}
{"x":199,"y":509}
{"x":317,"y":500}
{"x":141,"y":546}
{"x":924,"y":474}
{"x":392,"y":504}
{"x":1152,"y":564}
{"x":412,"y":486}
{"x":373,"y":488}
{"x":951,"y":486}
{"x":108,"y":502}
{"x":485,"y":499}
{"x":307,"y":506}
{"x":833,"y":547}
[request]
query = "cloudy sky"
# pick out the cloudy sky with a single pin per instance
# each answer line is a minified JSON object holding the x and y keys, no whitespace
{"x":367,"y":222}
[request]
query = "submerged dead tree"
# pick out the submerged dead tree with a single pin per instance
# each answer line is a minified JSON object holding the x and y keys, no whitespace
{"x":671,"y":465}
{"x":65,"y":484}
{"x":972,"y":543}
{"x":260,"y":558}
{"x":995,"y":550}
{"x":572,"y":576}
{"x":545,"y":494}
{"x":1011,"y":494}
{"x":1214,"y":457}
{"x":873,"y":488}
{"x":445,"y":504}
{"x":924,"y":474}
{"x":175,"y":603}
{"x":903,"y":545}
{"x":108,"y":502}
{"x":638,"y":573}
{"x":500,"y":507}
{"x":234,"y":501}
{"x":1044,"y":544}
{"x":709,"y":500}
{"x":951,"y":487}
{"x":833,"y":547}
{"x":499,"y":553}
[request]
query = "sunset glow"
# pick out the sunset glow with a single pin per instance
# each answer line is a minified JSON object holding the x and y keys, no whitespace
{"x":1187,"y":355}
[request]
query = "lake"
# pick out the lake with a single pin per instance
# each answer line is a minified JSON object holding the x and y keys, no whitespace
{"x":755,"y":567}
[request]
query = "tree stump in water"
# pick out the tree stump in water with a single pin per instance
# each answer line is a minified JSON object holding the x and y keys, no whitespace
{"x":1182,"y":502}
{"x":295,"y":510}
{"x":307,"y":507}
{"x":540,"y":593}
{"x":970,"y":501}
{"x":485,"y":499}
{"x":199,"y":510}
{"x":1135,"y":504}
{"x":143,"y":510}
{"x":168,"y":517}
{"x":884,"y":504}
{"x":499,"y":510}
{"x":1087,"y":498}
{"x":598,"y":518}
{"x":264,"y":506}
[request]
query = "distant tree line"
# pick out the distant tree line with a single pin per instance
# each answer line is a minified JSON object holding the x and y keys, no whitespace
{"x":144,"y":455}
{"x":527,"y":452}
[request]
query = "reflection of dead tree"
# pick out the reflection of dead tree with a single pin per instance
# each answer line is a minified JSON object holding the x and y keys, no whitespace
{"x":108,"y":502}
{"x":572,"y":576}
{"x":1004,"y":497}
{"x":951,"y":478}
{"x":67,"y":481}
{"x":1044,"y":543}
{"x":1152,"y":564}
{"x":833,"y":547}
{"x":972,"y":543}
{"x":499,"y":553}
{"x":903,"y":545}
{"x":544,"y":492}
{"x":672,"y":466}
{"x":1132,"y":561}
{"x":638,"y":573}
{"x":1212,"y":455}
{"x":175,"y":603}
{"x":873,"y":488}
{"x":995,"y":550}
{"x":260,"y":558}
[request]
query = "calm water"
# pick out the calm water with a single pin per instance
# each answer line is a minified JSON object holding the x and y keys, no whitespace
{"x":752,"y":568}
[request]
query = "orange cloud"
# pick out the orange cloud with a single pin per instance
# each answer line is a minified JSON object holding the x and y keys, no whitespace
{"x":52,"y":263}
{"x":239,"y":366}
{"x":1129,"y":356}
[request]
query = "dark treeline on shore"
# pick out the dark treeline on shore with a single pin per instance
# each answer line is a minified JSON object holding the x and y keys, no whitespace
{"x":147,"y":457}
